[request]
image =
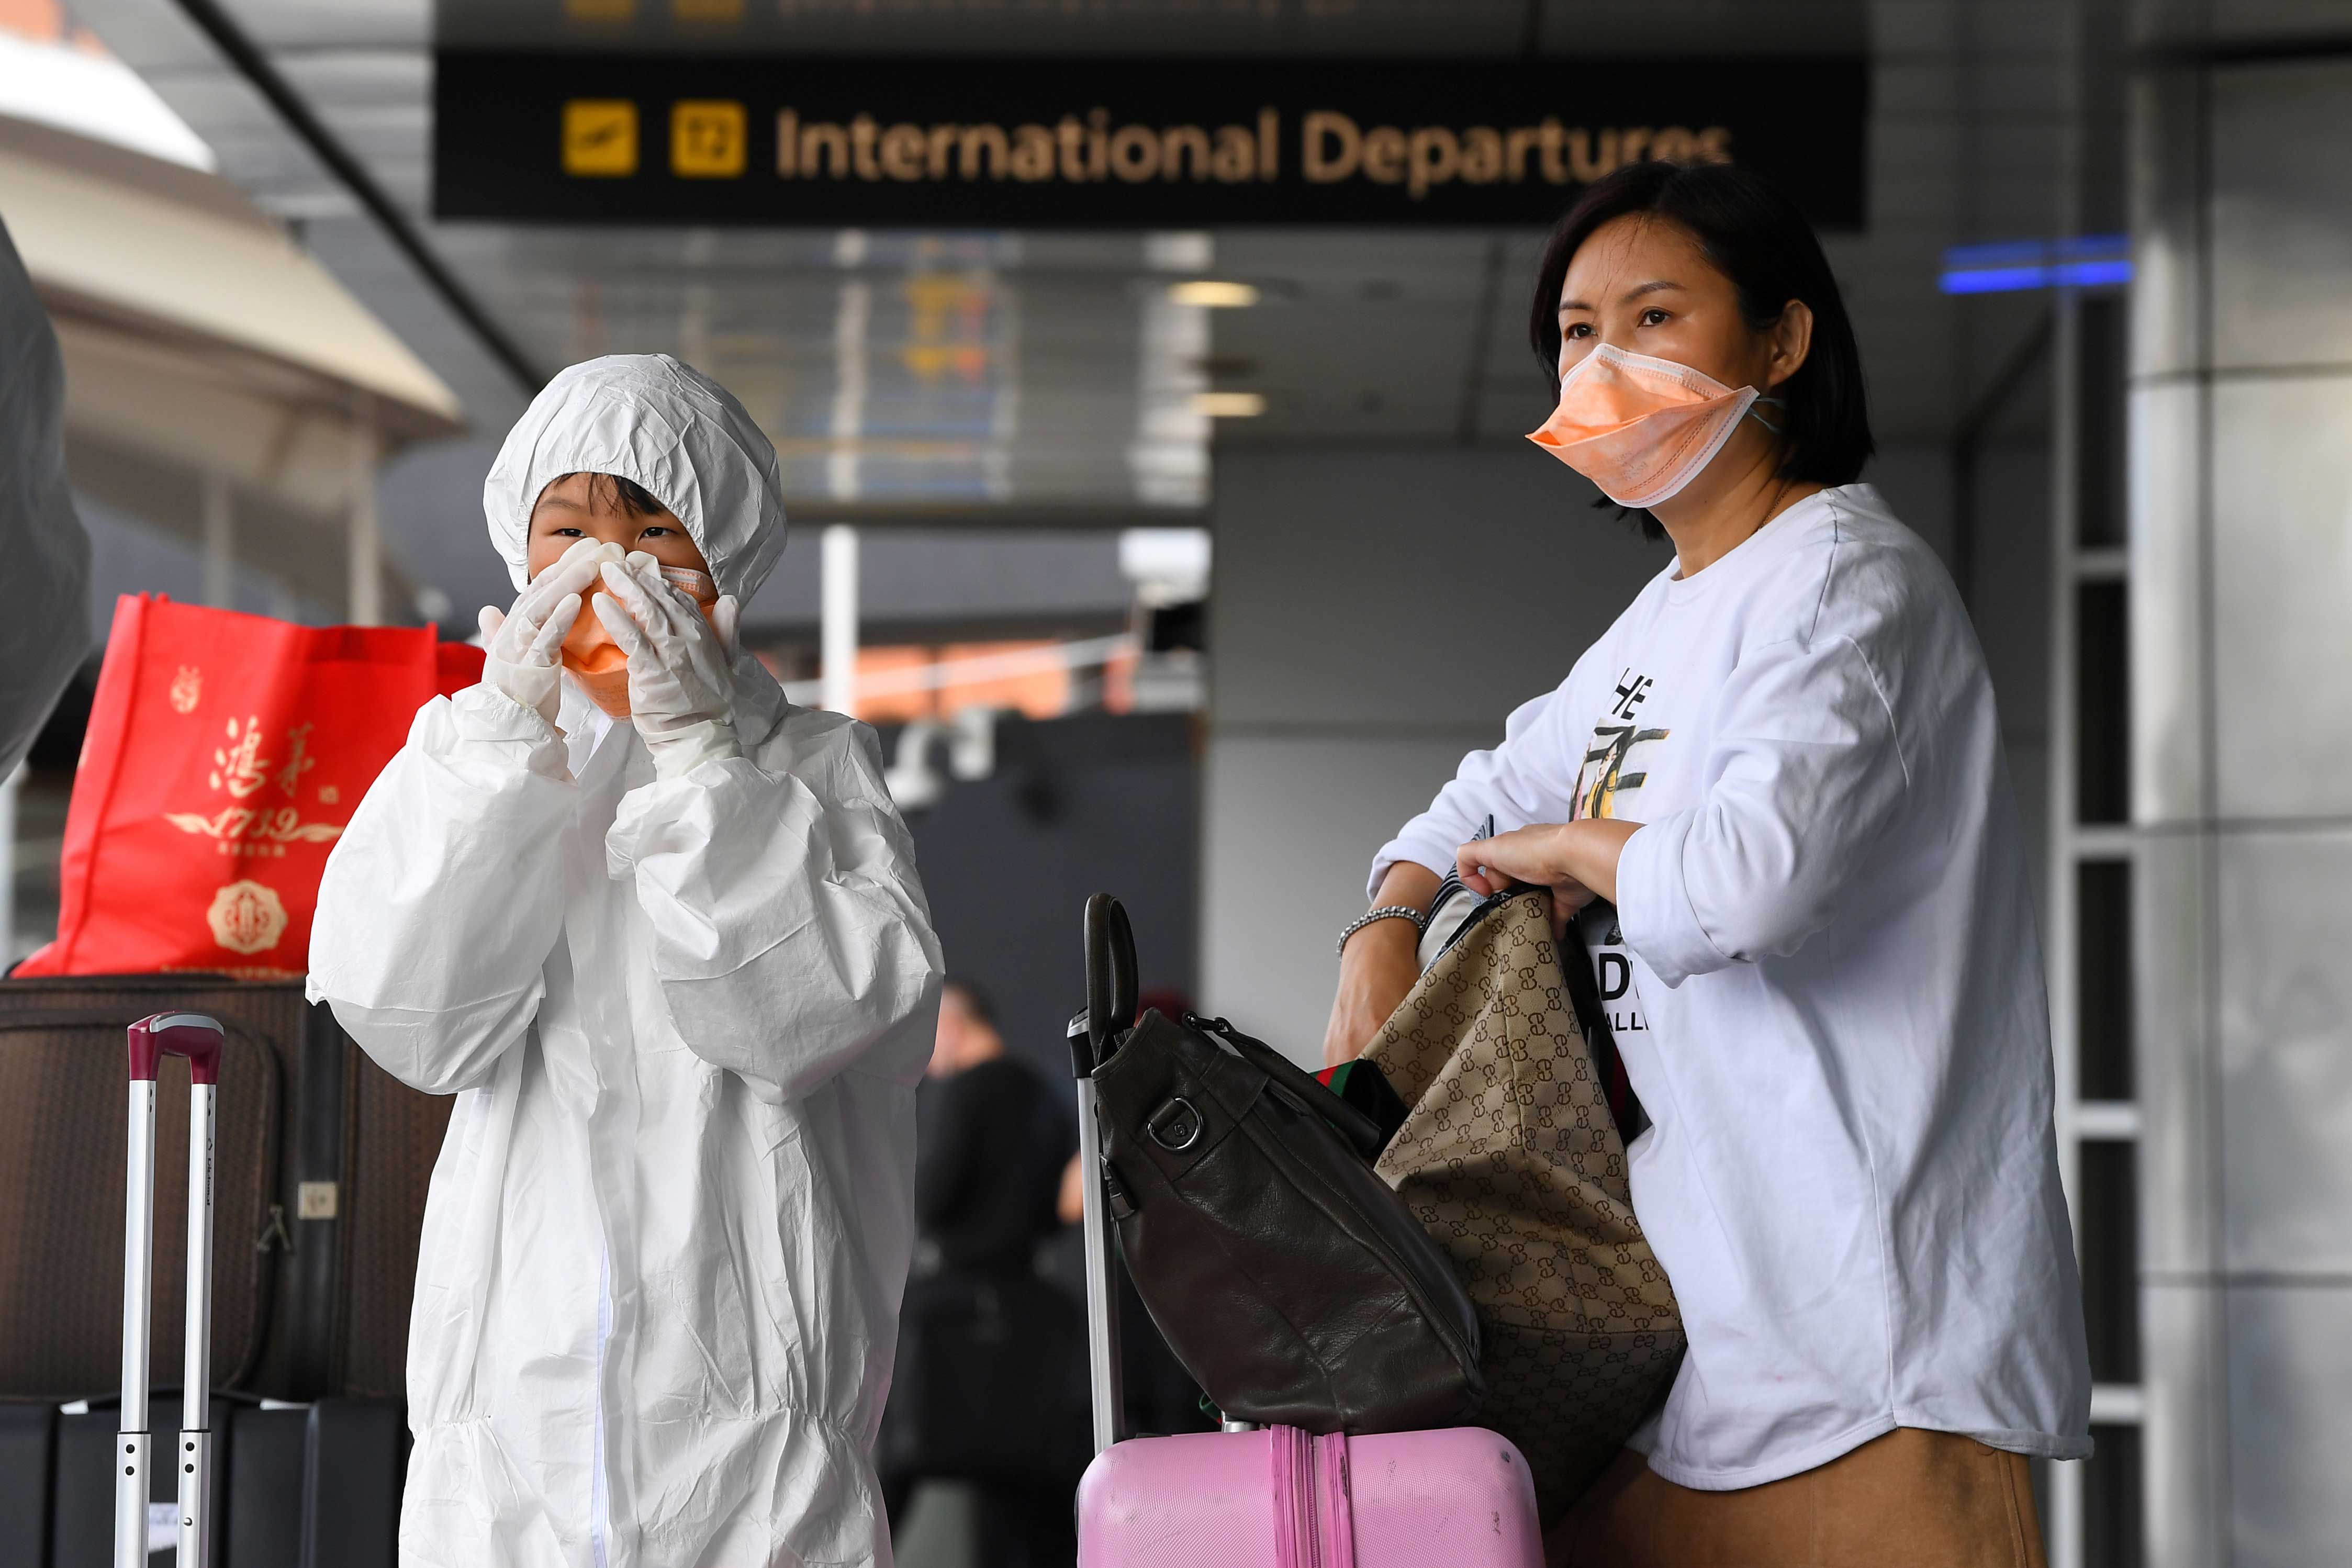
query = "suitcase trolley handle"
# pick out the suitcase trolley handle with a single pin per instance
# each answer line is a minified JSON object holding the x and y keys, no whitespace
{"x":199,"y":1039}
{"x":1110,"y":1010}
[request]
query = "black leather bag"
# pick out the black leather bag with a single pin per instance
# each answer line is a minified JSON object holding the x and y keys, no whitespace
{"x":1289,"y":1279}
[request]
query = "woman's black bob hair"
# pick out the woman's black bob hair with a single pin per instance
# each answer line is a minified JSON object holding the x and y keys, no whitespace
{"x":1757,"y":239}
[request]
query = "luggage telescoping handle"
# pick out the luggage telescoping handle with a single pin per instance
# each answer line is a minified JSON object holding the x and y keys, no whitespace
{"x":1110,"y":1007}
{"x":1111,"y":988}
{"x":198,"y":1038}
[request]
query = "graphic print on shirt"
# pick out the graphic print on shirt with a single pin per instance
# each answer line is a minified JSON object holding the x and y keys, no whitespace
{"x":1609,"y":781}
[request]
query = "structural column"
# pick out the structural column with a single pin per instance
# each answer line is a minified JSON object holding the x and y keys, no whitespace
{"x":220,"y":541}
{"x":838,"y":636}
{"x":2241,"y":717}
{"x":364,"y":545}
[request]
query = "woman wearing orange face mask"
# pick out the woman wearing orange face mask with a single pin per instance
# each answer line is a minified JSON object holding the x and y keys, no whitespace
{"x":1773,"y":796}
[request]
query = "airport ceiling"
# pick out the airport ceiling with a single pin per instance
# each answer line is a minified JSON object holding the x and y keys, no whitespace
{"x":1027,"y":376}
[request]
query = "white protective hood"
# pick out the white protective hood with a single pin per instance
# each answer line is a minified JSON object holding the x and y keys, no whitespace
{"x":46,"y":634}
{"x":665,"y":425}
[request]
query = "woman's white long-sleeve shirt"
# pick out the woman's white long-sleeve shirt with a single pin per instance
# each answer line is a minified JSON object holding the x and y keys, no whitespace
{"x":1825,"y":979}
{"x":665,"y":1243}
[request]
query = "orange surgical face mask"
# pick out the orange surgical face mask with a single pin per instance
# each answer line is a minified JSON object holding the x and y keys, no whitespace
{"x":596,"y":661}
{"x":1641,"y":428}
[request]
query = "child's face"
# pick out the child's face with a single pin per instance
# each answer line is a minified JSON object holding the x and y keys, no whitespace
{"x":588,"y":506}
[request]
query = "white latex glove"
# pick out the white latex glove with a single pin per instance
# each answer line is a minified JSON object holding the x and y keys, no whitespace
{"x":681,"y":667}
{"x":522,"y":647}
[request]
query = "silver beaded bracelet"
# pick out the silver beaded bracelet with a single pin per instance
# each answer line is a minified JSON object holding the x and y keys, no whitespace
{"x":1385,"y":912}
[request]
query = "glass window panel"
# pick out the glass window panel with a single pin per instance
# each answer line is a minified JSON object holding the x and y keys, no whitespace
{"x":2110,"y":1499}
{"x":2102,"y":704}
{"x":2040,"y":1472}
{"x":2099,"y":415}
{"x":2103,"y":979}
{"x":2109,"y":1245}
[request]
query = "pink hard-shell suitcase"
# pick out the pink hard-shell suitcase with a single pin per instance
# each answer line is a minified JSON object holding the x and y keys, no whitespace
{"x":1278,"y":1497}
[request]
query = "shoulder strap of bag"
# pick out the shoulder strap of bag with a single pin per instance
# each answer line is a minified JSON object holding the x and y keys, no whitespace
{"x":1600,"y":1040}
{"x":1584,"y":990}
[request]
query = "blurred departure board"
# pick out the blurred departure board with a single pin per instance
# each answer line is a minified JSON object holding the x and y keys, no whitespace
{"x":956,"y":141}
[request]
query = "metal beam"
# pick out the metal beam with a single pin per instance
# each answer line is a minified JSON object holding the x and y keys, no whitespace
{"x":249,"y":59}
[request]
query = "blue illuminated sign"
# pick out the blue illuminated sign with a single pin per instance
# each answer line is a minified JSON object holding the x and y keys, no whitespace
{"x":2089,"y":262}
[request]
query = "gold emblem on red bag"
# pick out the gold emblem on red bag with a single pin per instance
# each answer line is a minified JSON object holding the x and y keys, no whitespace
{"x":240,"y":770}
{"x":247,"y":917}
{"x":187,"y":688}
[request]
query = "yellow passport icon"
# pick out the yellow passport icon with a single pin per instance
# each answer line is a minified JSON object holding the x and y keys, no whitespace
{"x":705,"y":138}
{"x":600,"y":137}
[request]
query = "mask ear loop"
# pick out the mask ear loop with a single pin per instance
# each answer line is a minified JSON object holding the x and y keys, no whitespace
{"x":1775,"y":402}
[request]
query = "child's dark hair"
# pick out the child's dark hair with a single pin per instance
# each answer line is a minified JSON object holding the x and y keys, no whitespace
{"x":627,"y":494}
{"x":1755,"y":237}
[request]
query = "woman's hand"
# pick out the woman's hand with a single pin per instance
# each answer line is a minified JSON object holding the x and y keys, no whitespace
{"x":1575,"y":861}
{"x":1376,"y":972}
{"x":1378,"y":966}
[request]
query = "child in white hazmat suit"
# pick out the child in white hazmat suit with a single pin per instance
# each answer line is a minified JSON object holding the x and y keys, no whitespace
{"x":677,"y":965}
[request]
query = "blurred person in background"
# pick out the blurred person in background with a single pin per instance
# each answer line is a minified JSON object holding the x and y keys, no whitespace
{"x":1774,"y":793}
{"x":992,"y":1139}
{"x":993,"y":1379}
{"x":661,"y":932}
{"x":46,"y":634}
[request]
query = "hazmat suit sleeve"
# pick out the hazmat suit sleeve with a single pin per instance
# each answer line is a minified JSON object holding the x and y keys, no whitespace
{"x":444,"y":895}
{"x":790,"y":936}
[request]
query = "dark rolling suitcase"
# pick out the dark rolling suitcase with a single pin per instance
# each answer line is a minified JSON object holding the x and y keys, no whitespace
{"x":321,"y":1162}
{"x":297,"y":1485}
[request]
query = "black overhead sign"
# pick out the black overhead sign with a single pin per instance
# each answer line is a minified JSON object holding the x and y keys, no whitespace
{"x":956,"y":141}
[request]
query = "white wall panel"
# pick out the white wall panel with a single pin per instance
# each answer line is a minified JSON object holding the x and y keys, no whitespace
{"x":2185,"y":1432}
{"x":2168,"y":588}
{"x":2282,"y":214}
{"x":2290,"y":1426}
{"x":2286,"y":1052}
{"x":2168,"y":276}
{"x":2173,"y":924}
{"x":2281,"y":583}
{"x":1291,"y":828}
{"x":2242,"y":567}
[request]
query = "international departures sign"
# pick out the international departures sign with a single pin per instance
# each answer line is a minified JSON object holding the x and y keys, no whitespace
{"x":1109,"y":142}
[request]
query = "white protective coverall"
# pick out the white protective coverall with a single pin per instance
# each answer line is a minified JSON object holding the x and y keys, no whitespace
{"x":658,"y":1297}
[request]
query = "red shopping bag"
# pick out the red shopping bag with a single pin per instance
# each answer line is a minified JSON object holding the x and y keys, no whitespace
{"x":224,"y":754}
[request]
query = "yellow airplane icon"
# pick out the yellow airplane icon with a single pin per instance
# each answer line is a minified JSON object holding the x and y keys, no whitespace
{"x":600,"y":137}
